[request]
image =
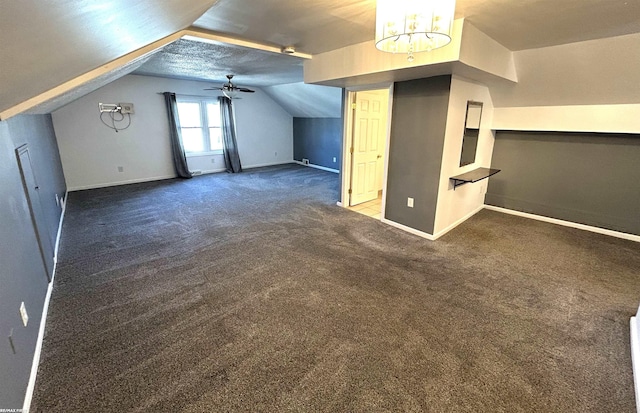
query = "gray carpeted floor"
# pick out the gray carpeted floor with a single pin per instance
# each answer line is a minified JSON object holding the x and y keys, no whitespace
{"x":254,"y":292}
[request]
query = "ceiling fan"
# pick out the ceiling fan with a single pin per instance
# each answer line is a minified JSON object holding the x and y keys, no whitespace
{"x":230,"y":90}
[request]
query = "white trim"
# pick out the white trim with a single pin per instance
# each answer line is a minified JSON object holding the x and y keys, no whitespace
{"x":324,"y":168}
{"x":208,"y":36}
{"x":635,"y":357}
{"x":584,"y":227}
{"x":210,"y":171}
{"x":260,"y":165}
{"x":131,"y":181}
{"x":191,"y":33}
{"x":217,"y":152}
{"x":409,"y":229}
{"x":43,"y":320}
{"x":458,"y":222}
{"x":90,"y":75}
{"x":55,"y":248}
{"x":347,"y":139}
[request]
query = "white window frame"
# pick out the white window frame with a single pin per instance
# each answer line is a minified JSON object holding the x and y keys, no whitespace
{"x":204,"y":122}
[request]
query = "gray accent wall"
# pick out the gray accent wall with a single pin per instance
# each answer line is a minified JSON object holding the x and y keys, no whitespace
{"x":319,"y":140}
{"x":418,"y":122}
{"x":22,"y":274}
{"x":585,"y":178}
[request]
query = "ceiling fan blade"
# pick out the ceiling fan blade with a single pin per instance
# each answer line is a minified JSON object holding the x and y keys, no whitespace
{"x":214,"y":88}
{"x":244,"y":89}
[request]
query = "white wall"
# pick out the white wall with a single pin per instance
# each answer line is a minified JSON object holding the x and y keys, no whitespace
{"x":591,"y":86}
{"x":92,"y":152}
{"x":454,"y":207}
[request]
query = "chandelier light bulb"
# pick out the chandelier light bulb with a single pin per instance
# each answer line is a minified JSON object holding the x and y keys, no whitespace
{"x":412,"y":26}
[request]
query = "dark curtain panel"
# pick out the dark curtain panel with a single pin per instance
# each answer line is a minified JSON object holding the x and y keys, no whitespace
{"x":229,"y":144}
{"x":179,"y":158}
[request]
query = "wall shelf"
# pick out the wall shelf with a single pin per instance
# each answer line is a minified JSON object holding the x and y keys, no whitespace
{"x":473,"y":176}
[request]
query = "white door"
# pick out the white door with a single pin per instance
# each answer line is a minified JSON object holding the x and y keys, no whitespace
{"x":369,"y":131}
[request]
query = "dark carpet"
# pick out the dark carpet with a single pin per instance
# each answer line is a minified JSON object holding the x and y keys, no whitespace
{"x":255,"y":292}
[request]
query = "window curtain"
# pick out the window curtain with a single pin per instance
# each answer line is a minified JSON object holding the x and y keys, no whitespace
{"x":177,"y":148}
{"x":229,"y":144}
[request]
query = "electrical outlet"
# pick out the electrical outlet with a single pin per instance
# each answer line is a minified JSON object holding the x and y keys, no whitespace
{"x":305,"y":161}
{"x":120,"y":169}
{"x":126,"y":107}
{"x":276,"y":154}
{"x":57,"y":200}
{"x":334,"y":159}
{"x":410,"y":202}
{"x":213,"y":160}
{"x":23,"y":314}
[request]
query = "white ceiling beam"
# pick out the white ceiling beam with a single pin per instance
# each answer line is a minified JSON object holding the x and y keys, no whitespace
{"x":207,"y":36}
{"x":89,"y":76}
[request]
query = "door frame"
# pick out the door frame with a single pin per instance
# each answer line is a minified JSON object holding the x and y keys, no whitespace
{"x":347,"y":141}
{"x":34,"y":202}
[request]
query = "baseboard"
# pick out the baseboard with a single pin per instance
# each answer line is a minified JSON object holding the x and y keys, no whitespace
{"x":324,"y":168}
{"x":635,"y":357}
{"x":43,"y":320}
{"x":131,"y":181}
{"x":458,"y":222}
{"x":556,"y":221}
{"x":410,"y":230}
{"x":57,"y":244}
{"x":261,"y":165}
{"x":208,"y":171}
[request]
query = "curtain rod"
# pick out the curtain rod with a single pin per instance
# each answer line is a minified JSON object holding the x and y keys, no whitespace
{"x":191,"y":96}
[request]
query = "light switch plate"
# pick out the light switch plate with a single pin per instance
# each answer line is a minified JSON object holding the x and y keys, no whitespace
{"x":23,"y":314}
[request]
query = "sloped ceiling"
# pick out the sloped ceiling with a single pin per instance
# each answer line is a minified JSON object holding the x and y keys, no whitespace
{"x":45,"y":44}
{"x":59,"y":101}
{"x":307,"y":101}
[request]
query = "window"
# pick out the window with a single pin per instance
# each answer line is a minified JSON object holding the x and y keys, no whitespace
{"x":193,"y":114}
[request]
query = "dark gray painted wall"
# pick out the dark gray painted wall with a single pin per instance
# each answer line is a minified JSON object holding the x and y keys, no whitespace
{"x":419,"y":117}
{"x":319,"y":140}
{"x":587,"y":178}
{"x":22,"y":274}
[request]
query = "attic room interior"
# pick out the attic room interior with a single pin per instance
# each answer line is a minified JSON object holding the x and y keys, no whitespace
{"x":441,"y":224}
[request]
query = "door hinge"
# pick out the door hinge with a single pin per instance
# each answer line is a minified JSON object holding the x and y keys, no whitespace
{"x":353,"y":106}
{"x":351,"y":150}
{"x":349,"y":191}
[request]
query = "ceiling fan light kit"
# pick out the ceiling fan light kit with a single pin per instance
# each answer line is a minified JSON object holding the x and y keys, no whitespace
{"x":230,"y":90}
{"x":411,"y":26}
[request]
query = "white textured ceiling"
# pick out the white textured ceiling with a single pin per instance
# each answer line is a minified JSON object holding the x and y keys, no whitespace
{"x":186,"y":59}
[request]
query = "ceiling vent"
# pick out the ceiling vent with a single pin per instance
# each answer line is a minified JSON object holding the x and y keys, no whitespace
{"x":288,"y":50}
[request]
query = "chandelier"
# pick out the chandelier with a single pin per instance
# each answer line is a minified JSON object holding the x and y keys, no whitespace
{"x":411,"y":26}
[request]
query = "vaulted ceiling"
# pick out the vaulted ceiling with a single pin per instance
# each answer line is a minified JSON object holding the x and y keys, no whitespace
{"x":49,"y":49}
